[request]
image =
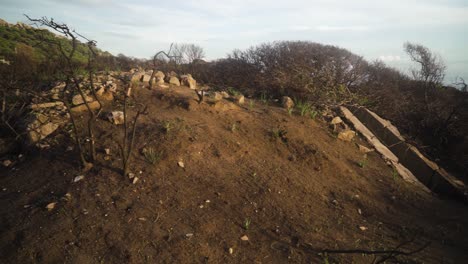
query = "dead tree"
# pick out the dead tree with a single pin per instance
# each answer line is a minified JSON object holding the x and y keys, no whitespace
{"x":73,"y":80}
{"x":155,"y":63}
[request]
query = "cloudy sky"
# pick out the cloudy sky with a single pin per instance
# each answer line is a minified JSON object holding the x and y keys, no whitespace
{"x":373,"y":29}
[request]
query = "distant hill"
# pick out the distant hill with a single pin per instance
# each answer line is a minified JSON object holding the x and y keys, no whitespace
{"x":14,"y":35}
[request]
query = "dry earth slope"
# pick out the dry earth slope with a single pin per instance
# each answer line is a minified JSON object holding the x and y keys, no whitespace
{"x":249,"y":171}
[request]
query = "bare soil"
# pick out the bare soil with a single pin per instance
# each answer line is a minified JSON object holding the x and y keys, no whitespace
{"x":293,"y":196}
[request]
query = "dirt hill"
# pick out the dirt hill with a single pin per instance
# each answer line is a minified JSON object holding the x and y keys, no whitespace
{"x":231,"y":184}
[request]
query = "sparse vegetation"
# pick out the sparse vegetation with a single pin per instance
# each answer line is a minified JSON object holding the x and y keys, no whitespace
{"x":152,"y":156}
{"x":247,"y":223}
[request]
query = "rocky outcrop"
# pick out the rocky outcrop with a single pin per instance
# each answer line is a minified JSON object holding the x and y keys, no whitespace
{"x":38,"y":127}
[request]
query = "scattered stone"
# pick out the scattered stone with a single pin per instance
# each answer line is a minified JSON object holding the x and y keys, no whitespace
{"x":287,"y":102}
{"x":364,"y":149}
{"x":78,"y":178}
{"x":51,"y":206}
{"x":346,"y":135}
{"x":240,"y":99}
{"x":217,"y":96}
{"x":359,"y":211}
{"x":142,"y":219}
{"x":131,"y":175}
{"x":116,"y":117}
{"x":135,"y":180}
{"x":7,"y":163}
{"x":181,"y":164}
{"x":78,"y":99}
{"x":189,"y":235}
{"x":244,"y":238}
{"x":46,"y":105}
{"x":174,"y":80}
{"x":363,"y":228}
{"x":67,"y":197}
{"x":107,"y":151}
{"x":336,"y":120}
{"x":225,"y":95}
{"x":231,"y":251}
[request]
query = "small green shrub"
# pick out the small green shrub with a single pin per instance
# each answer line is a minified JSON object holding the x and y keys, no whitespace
{"x":152,"y":156}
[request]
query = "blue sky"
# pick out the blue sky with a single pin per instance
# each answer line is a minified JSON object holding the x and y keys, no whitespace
{"x":373,"y":29}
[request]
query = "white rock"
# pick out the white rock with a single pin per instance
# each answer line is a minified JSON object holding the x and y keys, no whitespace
{"x":181,"y":164}
{"x":7,"y":163}
{"x":116,"y":117}
{"x":78,"y":178}
{"x":244,"y":238}
{"x":51,"y":206}
{"x":336,"y":120}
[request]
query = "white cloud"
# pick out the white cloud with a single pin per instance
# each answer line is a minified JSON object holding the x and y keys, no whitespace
{"x":390,"y":58}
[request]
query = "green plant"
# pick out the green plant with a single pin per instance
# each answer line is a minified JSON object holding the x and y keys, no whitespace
{"x":251,"y":103}
{"x":233,"y":91}
{"x":279,"y":133}
{"x":303,"y":107}
{"x":362,"y":163}
{"x":313,"y":114}
{"x":247,"y":223}
{"x":290,"y":111}
{"x":263,"y":98}
{"x":394,"y":173}
{"x":152,"y":156}
{"x":167,"y":125}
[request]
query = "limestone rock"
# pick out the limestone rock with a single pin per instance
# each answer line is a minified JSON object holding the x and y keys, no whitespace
{"x":93,"y":105}
{"x":336,"y":120}
{"x":364,"y":149}
{"x":46,"y":105}
{"x":116,"y":117}
{"x":189,"y":81}
{"x":39,"y":128}
{"x":240,"y":99}
{"x":217,"y":96}
{"x":225,"y":95}
{"x":159,"y":77}
{"x":287,"y":102}
{"x":174,"y":80}
{"x":78,"y":99}
{"x":346,"y":135}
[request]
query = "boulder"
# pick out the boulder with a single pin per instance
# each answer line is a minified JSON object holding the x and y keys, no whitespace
{"x":188,"y":80}
{"x":287,"y":102}
{"x":93,"y":105}
{"x":336,"y":120}
{"x":116,"y":117}
{"x":174,"y":80}
{"x":78,"y":99}
{"x":240,"y":99}
{"x":159,"y":77}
